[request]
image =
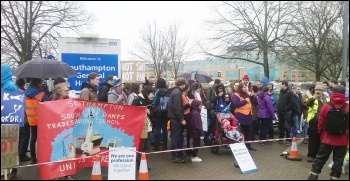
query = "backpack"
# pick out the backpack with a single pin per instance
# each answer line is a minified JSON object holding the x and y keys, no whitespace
{"x":337,"y":120}
{"x":161,"y":102}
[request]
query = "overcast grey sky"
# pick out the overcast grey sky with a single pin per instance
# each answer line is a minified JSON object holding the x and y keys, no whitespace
{"x":123,"y":20}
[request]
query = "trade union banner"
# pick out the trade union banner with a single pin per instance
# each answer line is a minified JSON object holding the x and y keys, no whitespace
{"x":74,"y":129}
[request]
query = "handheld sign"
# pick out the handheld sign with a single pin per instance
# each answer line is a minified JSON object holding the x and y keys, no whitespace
{"x":204,"y":118}
{"x":122,"y":163}
{"x":12,"y":108}
{"x":243,"y":158}
{"x":9,"y":145}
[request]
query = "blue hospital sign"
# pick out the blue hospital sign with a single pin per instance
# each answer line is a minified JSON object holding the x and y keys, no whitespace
{"x":12,"y":108}
{"x":83,"y":64}
{"x":86,"y":55}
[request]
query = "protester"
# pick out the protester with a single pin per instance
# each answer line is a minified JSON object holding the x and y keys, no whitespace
{"x":116,"y":93}
{"x":55,"y":82}
{"x":160,"y":115}
{"x":186,"y":102}
{"x":273,"y":97}
{"x":284,"y":108}
{"x":145,"y":99}
{"x":135,"y":89}
{"x":314,"y":105}
{"x":254,"y":129}
{"x":8,"y":85}
{"x":34,"y":94}
{"x":196,"y":130}
{"x":89,"y":90}
{"x":24,"y":131}
{"x":330,"y":142}
{"x":211,"y":89}
{"x":266,"y":113}
{"x":61,"y":92}
{"x":308,"y":95}
{"x":104,"y":89}
{"x":242,"y":102}
{"x":176,"y":116}
{"x":343,"y":83}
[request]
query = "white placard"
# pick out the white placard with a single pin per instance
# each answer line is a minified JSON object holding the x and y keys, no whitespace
{"x":243,"y":158}
{"x":204,"y":118}
{"x":122,"y":163}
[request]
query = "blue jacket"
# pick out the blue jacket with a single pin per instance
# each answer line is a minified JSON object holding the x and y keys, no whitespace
{"x":6,"y":79}
{"x":32,"y":91}
{"x":273,"y":100}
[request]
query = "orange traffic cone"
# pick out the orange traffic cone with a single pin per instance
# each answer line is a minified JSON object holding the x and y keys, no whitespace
{"x":96,"y":169}
{"x":143,"y":171}
{"x":293,"y":154}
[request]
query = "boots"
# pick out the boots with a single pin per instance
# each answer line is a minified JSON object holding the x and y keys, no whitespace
{"x":165,"y":144}
{"x":156,"y":147}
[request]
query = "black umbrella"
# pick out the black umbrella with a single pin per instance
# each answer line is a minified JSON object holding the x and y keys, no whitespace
{"x":199,"y":76}
{"x":44,"y":68}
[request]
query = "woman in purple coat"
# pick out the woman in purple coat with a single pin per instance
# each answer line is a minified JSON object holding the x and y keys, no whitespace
{"x":196,"y":128}
{"x":266,"y":112}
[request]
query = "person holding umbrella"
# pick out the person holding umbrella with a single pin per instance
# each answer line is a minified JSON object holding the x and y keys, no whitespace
{"x":34,"y":94}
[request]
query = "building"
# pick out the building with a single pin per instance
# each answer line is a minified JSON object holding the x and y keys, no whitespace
{"x":229,"y":70}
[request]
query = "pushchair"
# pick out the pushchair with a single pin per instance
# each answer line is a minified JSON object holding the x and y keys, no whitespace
{"x":219,"y":135}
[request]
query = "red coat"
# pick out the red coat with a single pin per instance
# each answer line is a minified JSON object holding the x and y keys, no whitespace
{"x":326,"y":138}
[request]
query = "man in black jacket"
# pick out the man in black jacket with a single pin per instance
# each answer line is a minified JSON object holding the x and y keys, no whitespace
{"x":104,"y":89}
{"x":284,"y":109}
{"x":176,"y":116}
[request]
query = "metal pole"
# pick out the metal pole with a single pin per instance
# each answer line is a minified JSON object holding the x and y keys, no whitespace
{"x":345,"y":42}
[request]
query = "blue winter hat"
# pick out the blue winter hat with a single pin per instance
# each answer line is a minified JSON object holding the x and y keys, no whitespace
{"x":116,"y":81}
{"x":265,"y":81}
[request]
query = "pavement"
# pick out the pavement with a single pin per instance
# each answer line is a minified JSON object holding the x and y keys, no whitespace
{"x":218,"y":166}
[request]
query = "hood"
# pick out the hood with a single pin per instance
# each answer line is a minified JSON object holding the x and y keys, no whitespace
{"x":87,"y":85}
{"x":220,"y":85}
{"x":141,"y":95}
{"x":31,"y":92}
{"x":195,"y":104}
{"x":262,"y":94}
{"x":338,"y":98}
{"x":6,"y":74}
{"x":106,"y":84}
{"x":171,"y":89}
{"x":162,"y":91}
{"x":84,"y":84}
{"x":265,"y":81}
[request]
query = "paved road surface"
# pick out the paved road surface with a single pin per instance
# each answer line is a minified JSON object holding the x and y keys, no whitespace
{"x":270,"y":166}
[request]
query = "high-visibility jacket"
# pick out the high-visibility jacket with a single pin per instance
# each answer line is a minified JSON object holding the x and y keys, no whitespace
{"x":246,"y":109}
{"x":32,"y":108}
{"x":311,"y":111}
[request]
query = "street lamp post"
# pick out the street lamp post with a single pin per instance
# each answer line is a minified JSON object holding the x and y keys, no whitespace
{"x":239,"y":72}
{"x":49,"y":51}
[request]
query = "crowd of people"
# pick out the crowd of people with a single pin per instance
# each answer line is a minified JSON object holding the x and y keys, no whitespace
{"x":255,"y":106}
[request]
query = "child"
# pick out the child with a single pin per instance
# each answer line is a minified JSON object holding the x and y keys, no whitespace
{"x":231,"y":131}
{"x":196,"y":128}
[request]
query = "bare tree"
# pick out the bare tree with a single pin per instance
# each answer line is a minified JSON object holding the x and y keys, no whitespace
{"x":25,"y":24}
{"x":244,"y":26}
{"x":178,"y":48}
{"x":152,"y":48}
{"x":316,"y":41}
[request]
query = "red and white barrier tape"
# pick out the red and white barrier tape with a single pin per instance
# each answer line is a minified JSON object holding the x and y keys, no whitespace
{"x":155,"y":152}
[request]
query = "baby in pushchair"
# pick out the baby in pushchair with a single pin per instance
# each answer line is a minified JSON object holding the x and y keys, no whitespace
{"x":231,"y":130}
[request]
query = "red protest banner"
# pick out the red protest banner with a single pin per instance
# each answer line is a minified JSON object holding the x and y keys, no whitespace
{"x":75,"y":128}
